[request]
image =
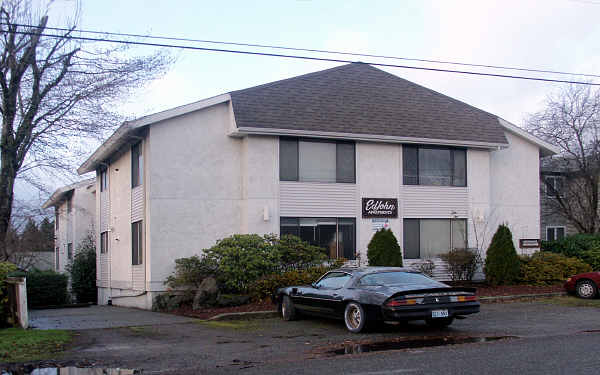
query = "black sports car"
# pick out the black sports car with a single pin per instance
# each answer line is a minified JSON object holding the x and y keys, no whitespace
{"x":370,"y":294}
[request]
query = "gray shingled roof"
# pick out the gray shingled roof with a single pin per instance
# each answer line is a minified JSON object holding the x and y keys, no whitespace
{"x":360,"y":99}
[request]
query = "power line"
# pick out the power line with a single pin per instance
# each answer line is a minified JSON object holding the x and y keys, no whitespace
{"x":254,"y":53}
{"x":312,"y":50}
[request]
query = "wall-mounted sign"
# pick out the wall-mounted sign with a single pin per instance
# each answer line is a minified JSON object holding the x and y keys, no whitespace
{"x":380,"y":207}
{"x":378,"y":224}
{"x":525,"y":243}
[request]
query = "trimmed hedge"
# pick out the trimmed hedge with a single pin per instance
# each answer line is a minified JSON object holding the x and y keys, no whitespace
{"x":83,"y":272}
{"x":266,"y":286}
{"x":384,"y":250}
{"x":545,"y":268}
{"x":462,"y":263}
{"x":45,"y":288}
{"x":591,"y":257}
{"x":572,"y":246}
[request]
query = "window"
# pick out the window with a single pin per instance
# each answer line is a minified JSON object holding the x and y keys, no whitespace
{"x":316,"y":161}
{"x":437,"y":166}
{"x":69,"y":205}
{"x":555,"y":233}
{"x":57,"y":259}
{"x":70,"y":251}
{"x":333,"y":280}
{"x":137,"y":165}
{"x":137,"y":243}
{"x":428,"y":238}
{"x":554,"y":186}
{"x":103,"y":180}
{"x":104,"y":242}
{"x":56,"y":215}
{"x":337,"y":236}
{"x":397,"y":278}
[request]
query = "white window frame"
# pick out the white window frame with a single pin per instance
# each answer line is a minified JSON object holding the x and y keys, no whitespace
{"x":554,"y":178}
{"x":555,"y":227}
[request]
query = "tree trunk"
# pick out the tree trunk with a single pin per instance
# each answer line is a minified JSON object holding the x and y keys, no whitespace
{"x":7,"y":182}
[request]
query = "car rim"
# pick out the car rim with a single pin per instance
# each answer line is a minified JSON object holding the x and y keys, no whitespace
{"x":586,"y":290}
{"x":354,"y":317}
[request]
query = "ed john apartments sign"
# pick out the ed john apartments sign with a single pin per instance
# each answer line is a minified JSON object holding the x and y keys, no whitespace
{"x":379,"y":207}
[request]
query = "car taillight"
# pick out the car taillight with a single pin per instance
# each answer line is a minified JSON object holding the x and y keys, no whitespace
{"x":466,"y":298}
{"x":569,"y":279}
{"x":401,"y":302}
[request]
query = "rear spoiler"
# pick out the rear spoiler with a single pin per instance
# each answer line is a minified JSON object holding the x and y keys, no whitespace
{"x":436,"y":291}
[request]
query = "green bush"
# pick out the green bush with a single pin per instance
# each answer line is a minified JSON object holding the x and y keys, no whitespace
{"x":189,"y":272}
{"x":241,"y":259}
{"x":572,"y":245}
{"x":501,"y":262}
{"x":545,"y":268}
{"x":83,"y":272}
{"x":5,"y":269}
{"x":384,"y":250}
{"x":264,"y":288}
{"x":295,"y":254}
{"x":45,"y":288}
{"x":591,"y":257}
{"x":462,"y":263}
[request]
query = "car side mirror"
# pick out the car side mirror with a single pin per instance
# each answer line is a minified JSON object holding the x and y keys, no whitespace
{"x":314,"y":285}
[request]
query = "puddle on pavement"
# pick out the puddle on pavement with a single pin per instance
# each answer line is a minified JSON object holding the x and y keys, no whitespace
{"x":72,"y":371}
{"x":356,"y":348}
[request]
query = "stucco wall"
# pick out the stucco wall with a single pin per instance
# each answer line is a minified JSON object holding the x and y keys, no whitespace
{"x":514,"y":187}
{"x":194,"y":187}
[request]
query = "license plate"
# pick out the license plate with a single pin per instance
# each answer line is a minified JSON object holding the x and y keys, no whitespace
{"x":439,"y":313}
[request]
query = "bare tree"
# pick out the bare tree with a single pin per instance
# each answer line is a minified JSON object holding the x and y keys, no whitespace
{"x":571,"y":120}
{"x":57,"y":92}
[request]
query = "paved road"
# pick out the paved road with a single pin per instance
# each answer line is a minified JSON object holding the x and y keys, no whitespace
{"x":95,"y":317}
{"x":551,"y":339}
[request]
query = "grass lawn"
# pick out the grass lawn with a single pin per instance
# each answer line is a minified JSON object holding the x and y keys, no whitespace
{"x":19,"y":345}
{"x":575,"y":301}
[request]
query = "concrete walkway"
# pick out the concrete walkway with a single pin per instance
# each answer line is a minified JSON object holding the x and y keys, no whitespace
{"x":94,"y":317}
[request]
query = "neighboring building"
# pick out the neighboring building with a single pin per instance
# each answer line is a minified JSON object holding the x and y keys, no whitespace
{"x":299,"y":156}
{"x":74,"y":218}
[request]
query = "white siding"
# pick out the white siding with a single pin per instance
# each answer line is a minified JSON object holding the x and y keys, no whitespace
{"x":104,"y":211}
{"x":104,"y":270}
{"x":434,"y":202}
{"x":440,"y":272}
{"x":318,"y":199}
{"x":139,"y":277}
{"x":137,"y":203}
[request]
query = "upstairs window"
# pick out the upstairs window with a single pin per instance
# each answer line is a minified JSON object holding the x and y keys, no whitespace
{"x":554,"y":186}
{"x":70,"y":251}
{"x":103,"y":180}
{"x":103,"y":242}
{"x":316,"y":161}
{"x":137,"y":165}
{"x":56,"y":216}
{"x":434,"y":166}
{"x":69,"y":205}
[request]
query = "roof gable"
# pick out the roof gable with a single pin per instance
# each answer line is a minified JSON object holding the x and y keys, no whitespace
{"x":360,"y":99}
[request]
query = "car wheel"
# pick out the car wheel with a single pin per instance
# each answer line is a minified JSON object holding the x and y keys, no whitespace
{"x":355,"y":317}
{"x":586,"y":289}
{"x":288,"y":310}
{"x":439,"y":322}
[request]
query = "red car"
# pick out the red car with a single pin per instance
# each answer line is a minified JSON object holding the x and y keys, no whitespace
{"x":584,"y":285}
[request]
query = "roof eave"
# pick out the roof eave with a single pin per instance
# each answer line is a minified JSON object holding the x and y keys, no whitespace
{"x":546,"y":149}
{"x":242,"y":131}
{"x":119,"y":137}
{"x":59,"y":194}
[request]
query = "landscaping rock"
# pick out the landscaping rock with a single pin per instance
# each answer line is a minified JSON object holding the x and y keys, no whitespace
{"x":228,"y":300}
{"x":206,"y":294}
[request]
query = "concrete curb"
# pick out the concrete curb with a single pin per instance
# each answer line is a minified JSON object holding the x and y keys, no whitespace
{"x":246,"y":315}
{"x":273,"y":313}
{"x":520,"y":296}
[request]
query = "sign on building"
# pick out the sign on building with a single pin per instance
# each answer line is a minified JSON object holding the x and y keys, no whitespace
{"x":379,"y":208}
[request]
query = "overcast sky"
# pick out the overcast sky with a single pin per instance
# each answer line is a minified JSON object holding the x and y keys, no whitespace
{"x":554,"y":35}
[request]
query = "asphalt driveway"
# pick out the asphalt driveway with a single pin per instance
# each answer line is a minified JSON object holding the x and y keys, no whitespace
{"x":95,"y":317}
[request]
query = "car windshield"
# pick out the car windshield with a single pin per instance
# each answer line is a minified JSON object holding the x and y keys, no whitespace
{"x":397,"y":277}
